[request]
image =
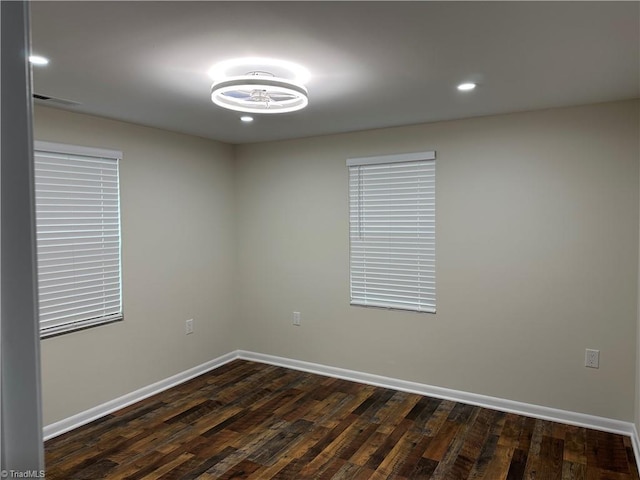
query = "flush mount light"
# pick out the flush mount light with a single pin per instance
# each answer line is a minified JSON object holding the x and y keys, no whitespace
{"x":246,"y":119}
{"x":465,"y":87}
{"x":259,"y":85}
{"x":38,"y":60}
{"x":259,"y":94}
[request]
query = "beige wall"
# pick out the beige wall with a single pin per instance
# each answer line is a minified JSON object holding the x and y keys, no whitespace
{"x":537,"y":257}
{"x":177,"y":260}
{"x":537,"y":238}
{"x":637,"y":398}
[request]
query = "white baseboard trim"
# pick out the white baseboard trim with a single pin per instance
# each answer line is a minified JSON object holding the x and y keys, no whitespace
{"x":521,"y":408}
{"x":82,"y":418}
{"x":635,"y":441}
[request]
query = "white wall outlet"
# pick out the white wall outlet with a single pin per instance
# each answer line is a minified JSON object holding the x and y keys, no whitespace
{"x":592,"y":358}
{"x":189,"y":326}
{"x":296,"y":318}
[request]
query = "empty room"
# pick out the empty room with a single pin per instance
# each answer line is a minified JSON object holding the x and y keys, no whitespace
{"x":320,"y":240}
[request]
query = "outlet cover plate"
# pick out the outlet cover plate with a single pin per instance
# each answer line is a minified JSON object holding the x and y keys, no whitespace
{"x":189,"y":326}
{"x":592,"y":358}
{"x":296,"y":319}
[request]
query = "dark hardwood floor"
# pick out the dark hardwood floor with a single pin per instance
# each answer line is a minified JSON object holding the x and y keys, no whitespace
{"x":249,"y":420}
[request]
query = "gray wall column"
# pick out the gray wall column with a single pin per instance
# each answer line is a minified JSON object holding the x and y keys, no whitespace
{"x":21,"y":425}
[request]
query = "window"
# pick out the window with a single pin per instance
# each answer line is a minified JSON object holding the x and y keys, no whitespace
{"x":392,"y":231}
{"x":77,"y":237}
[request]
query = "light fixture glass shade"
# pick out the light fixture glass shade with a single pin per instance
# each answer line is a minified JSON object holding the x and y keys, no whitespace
{"x":259,"y":94}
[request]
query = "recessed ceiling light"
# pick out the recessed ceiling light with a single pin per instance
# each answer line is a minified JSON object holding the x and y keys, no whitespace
{"x":465,"y":87}
{"x":38,"y":60}
{"x":246,"y":119}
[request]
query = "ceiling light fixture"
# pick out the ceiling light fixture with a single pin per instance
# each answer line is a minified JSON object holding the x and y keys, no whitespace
{"x":465,"y":87}
{"x":259,"y":94}
{"x":246,"y":119}
{"x":38,"y":60}
{"x":259,"y":85}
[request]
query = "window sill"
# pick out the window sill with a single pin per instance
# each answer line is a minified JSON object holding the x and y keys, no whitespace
{"x":76,"y":326}
{"x":394,"y":308}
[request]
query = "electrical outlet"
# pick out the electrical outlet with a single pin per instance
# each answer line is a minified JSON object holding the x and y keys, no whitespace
{"x":296,"y":318}
{"x":189,"y":326}
{"x":592,"y":358}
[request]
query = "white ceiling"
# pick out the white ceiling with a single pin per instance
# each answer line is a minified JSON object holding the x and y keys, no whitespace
{"x":373,"y":64}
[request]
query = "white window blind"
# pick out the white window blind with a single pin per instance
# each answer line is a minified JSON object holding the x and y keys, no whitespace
{"x":392,"y":231}
{"x":77,"y":236}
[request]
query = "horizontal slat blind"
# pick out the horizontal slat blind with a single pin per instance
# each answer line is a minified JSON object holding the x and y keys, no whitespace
{"x":392,"y":232}
{"x":78,"y":237}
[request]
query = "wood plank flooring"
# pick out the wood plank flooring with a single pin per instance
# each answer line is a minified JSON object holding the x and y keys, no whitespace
{"x":254,"y":421}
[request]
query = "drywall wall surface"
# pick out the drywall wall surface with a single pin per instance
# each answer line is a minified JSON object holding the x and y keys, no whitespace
{"x":21,"y":447}
{"x":537,"y":257}
{"x":637,"y":399}
{"x":178,"y":254}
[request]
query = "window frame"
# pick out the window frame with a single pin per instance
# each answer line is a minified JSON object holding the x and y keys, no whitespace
{"x":63,"y":327}
{"x":381,"y":160}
